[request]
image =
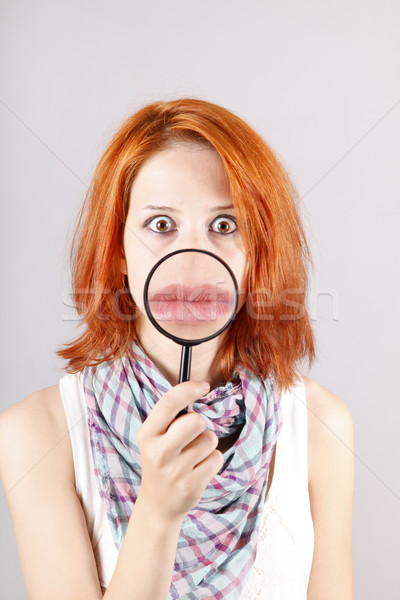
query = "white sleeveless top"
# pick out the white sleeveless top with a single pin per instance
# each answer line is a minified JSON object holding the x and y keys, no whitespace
{"x":286,"y":543}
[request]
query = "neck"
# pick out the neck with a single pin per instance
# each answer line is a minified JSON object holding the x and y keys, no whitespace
{"x":166,"y":355}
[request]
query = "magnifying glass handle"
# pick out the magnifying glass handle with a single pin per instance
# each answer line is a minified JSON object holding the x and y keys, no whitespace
{"x":186,"y":360}
{"x":184,"y":371}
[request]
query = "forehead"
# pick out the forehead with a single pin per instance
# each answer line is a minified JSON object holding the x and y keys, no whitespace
{"x":181,"y":173}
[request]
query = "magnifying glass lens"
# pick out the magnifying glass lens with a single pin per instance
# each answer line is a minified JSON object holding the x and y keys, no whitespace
{"x":191,"y":296}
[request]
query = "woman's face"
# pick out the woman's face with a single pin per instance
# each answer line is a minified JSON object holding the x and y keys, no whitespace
{"x":180,"y":199}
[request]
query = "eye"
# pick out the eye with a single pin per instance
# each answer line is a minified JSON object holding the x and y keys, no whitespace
{"x":161,"y":224}
{"x":224,"y":224}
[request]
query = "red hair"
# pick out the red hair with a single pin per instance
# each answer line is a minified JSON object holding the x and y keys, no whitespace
{"x":268,"y":337}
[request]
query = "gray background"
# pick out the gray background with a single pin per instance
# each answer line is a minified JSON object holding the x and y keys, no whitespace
{"x":320,"y":82}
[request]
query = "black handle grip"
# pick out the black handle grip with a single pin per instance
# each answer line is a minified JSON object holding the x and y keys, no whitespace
{"x":184,"y":371}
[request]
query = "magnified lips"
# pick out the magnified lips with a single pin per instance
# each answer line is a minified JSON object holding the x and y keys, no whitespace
{"x":204,"y":292}
{"x":191,"y":303}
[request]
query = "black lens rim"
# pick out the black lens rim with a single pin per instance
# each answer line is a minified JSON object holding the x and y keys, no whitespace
{"x":182,"y":341}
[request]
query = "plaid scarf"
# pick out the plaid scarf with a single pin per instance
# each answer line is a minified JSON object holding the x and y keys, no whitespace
{"x":218,"y":539}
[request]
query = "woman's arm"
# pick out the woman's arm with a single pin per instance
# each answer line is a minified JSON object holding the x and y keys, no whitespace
{"x":52,"y":539}
{"x":331,"y":482}
{"x":145,"y":563}
{"x":53,"y":542}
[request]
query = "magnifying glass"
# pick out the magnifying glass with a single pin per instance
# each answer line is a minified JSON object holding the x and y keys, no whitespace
{"x":191,"y":297}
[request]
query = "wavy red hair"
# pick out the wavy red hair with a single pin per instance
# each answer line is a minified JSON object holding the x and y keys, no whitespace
{"x":269,"y":337}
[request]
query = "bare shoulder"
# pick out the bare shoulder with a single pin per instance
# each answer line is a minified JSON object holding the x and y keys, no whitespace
{"x":321,"y":399}
{"x":322,"y":403}
{"x":331,"y":482}
{"x":329,"y":422}
{"x":38,"y":424}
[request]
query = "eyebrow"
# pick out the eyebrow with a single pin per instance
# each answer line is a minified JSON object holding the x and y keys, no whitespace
{"x":171,"y":209}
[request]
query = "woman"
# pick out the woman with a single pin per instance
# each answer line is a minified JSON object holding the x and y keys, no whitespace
{"x":248,"y":494}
